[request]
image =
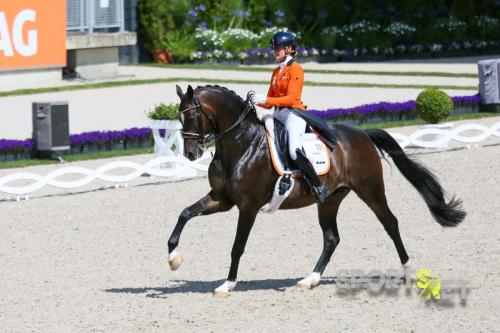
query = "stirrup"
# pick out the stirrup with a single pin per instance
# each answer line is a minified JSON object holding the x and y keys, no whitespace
{"x":320,"y":192}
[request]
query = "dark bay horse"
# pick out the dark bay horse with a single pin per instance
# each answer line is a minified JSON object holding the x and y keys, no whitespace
{"x":241,"y":174}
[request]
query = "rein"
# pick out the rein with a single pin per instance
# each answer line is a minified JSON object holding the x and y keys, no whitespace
{"x":201,"y":137}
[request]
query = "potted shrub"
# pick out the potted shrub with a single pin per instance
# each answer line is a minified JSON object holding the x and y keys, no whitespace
{"x":165,"y":117}
{"x":434,"y":105}
{"x":155,"y":19}
{"x":179,"y":45}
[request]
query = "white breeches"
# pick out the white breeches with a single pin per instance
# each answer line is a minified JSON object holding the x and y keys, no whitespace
{"x":295,"y":127}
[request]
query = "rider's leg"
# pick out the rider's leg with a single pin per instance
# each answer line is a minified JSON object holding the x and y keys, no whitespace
{"x":296,"y":128}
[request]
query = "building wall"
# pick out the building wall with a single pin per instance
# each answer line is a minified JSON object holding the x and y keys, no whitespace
{"x":130,"y":54}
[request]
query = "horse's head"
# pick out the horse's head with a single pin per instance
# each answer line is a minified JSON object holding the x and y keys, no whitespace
{"x":207,"y":113}
{"x":197,"y":123}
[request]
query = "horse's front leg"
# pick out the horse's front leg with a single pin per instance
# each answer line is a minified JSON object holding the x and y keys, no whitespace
{"x":246,"y":220}
{"x":209,"y":204}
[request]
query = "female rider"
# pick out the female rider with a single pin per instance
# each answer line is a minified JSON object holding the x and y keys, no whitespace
{"x":285,"y":95}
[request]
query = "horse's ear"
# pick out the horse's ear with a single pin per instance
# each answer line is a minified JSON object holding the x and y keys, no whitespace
{"x":179,"y":91}
{"x":190,"y":91}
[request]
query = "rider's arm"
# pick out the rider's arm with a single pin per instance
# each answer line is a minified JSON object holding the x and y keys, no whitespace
{"x":270,"y":93}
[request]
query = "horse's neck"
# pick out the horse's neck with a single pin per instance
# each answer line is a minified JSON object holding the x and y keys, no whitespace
{"x":237,"y":143}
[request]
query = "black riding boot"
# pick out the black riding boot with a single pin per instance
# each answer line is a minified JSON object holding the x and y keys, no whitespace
{"x":310,"y":176}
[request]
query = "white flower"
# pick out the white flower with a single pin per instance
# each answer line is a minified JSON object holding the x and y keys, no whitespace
{"x":486,"y":22}
{"x":209,"y":39}
{"x":417,"y":48}
{"x":240,"y":34}
{"x":389,"y":51}
{"x":436,"y":47}
{"x":333,"y":31}
{"x":399,"y":29}
{"x":197,"y":55}
{"x":451,"y":24}
{"x":400,"y":48}
{"x":361,"y":27}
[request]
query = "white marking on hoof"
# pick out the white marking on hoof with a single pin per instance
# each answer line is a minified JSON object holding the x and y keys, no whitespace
{"x":409,"y":273}
{"x":224,"y":290}
{"x":309,"y":282}
{"x":174,"y":260}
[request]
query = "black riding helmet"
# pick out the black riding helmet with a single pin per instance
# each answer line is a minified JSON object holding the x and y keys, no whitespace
{"x":283,"y":38}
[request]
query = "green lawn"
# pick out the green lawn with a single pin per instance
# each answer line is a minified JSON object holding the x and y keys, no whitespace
{"x":76,"y":157}
{"x":318,"y":71}
{"x":414,"y":122}
{"x":112,"y":84}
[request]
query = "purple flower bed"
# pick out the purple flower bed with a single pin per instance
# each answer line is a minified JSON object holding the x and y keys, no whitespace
{"x":96,"y":138}
{"x":99,"y":137}
{"x":474,"y":99}
{"x":396,"y":110}
{"x":366,"y":110}
{"x":17,"y":146}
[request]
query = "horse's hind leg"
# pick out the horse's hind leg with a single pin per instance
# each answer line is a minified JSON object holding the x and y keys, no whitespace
{"x":209,"y":204}
{"x":374,"y":197}
{"x":327,"y":213}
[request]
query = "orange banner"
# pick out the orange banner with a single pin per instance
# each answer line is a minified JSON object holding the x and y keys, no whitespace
{"x":32,"y":33}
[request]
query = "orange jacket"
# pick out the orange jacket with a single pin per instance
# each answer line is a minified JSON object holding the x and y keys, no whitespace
{"x":286,"y":87}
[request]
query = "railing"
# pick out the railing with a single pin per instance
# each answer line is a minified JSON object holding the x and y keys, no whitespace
{"x":180,"y":168}
{"x":171,"y":166}
{"x":94,"y":15}
{"x":438,"y":138}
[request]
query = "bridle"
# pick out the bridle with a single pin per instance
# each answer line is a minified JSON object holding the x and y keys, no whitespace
{"x":202,"y":137}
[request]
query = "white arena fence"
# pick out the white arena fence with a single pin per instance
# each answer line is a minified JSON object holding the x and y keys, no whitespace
{"x":439,"y":138}
{"x":177,"y":167}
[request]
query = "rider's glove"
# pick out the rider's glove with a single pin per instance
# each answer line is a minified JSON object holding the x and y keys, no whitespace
{"x":262,"y":113}
{"x":257,"y":98}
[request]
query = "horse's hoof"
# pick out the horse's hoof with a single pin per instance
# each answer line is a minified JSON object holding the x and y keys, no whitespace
{"x":223,"y":290}
{"x":174,"y":260}
{"x":304,"y":285}
{"x":221,"y":294}
{"x":309,"y":282}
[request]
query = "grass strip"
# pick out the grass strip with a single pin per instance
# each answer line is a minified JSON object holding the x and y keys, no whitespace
{"x":311,"y":70}
{"x":114,"y":84}
{"x":77,"y":157}
{"x":392,"y":124}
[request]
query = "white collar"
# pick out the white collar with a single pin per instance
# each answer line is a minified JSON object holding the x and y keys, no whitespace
{"x":284,"y":62}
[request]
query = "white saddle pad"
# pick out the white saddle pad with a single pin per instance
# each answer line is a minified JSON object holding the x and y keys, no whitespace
{"x":316,"y":151}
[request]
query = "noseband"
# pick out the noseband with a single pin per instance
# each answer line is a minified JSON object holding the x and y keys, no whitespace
{"x":201,"y":138}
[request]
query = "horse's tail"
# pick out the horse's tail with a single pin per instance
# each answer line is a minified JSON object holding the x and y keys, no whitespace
{"x":446,"y":214}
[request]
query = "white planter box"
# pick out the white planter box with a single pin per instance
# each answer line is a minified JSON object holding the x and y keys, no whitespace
{"x":170,"y":145}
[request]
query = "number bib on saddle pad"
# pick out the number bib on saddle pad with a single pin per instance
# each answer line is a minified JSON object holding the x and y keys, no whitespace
{"x":316,"y":151}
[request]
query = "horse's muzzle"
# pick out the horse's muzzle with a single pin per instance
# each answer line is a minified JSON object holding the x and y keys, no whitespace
{"x":193,"y":152}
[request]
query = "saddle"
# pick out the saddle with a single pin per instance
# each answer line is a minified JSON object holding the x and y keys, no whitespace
{"x":315,"y":149}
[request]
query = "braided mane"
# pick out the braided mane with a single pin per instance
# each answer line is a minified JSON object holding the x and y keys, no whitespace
{"x":223,"y":90}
